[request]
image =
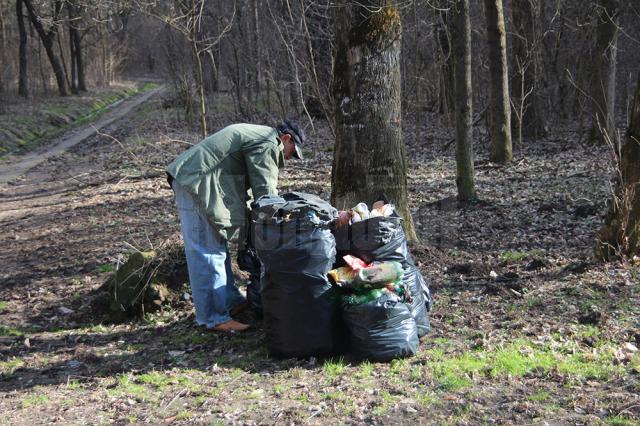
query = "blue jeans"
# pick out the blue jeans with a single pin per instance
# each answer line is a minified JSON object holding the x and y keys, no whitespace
{"x":212,"y":284}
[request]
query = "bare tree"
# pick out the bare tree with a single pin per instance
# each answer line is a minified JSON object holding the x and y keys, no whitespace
{"x":48,"y":38}
{"x":604,"y":71}
{"x":78,"y":81}
{"x":23,"y":83}
{"x":446,"y":101}
{"x":463,"y":101}
{"x":369,"y":156}
{"x":3,"y":49}
{"x":187,"y":19}
{"x":526,"y":62}
{"x":500,"y":111}
{"x":621,"y":232}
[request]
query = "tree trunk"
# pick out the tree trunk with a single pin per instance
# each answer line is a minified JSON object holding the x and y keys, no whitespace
{"x":72,"y":57}
{"x":369,"y":157}
{"x":446,"y":67}
{"x":621,"y":232}
{"x":500,"y":110}
{"x":604,"y":79}
{"x":62,"y":55}
{"x":23,"y":82}
{"x":77,"y":48}
{"x":257,"y":55}
{"x":48,"y":39}
{"x":463,"y":101}
{"x":527,"y":63}
{"x":3,"y":52}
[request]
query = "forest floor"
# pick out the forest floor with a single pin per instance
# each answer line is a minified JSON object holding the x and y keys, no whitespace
{"x":527,"y":328}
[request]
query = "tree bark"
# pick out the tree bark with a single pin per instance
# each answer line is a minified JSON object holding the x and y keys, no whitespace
{"x":527,"y":64}
{"x":48,"y":39}
{"x":72,"y":58}
{"x":257,"y":52}
{"x":369,"y":158}
{"x":500,"y":110}
{"x":194,"y":37}
{"x":446,"y":67}
{"x":23,"y":82}
{"x":77,"y":44}
{"x":3,"y":52}
{"x":604,"y":80}
{"x":463,"y":101}
{"x":621,"y":232}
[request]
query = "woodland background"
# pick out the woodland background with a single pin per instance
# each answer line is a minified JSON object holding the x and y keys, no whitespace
{"x":528,"y":325}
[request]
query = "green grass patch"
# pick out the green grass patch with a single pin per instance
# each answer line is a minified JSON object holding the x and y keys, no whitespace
{"x":147,"y":85}
{"x":415,"y":374}
{"x":521,"y":358}
{"x":539,"y":396}
{"x":635,"y":362}
{"x":184,"y":415}
{"x":34,"y":400}
{"x":513,"y":256}
{"x":279,"y":389}
{"x":9,"y":366}
{"x":620,"y":420}
{"x":332,"y":369}
{"x":427,"y":398}
{"x":10,"y":331}
{"x":303,"y":397}
{"x":155,"y":378}
{"x":518,"y":359}
{"x":3,"y":305}
{"x":365,"y":370}
{"x":386,"y":401}
{"x":398,"y":366}
{"x":335,"y":396}
{"x":74,"y":385}
{"x":453,"y":372}
{"x":126,"y":386}
{"x":589,"y":331}
{"x":533,"y":302}
{"x":98,"y":328}
{"x":68,"y":402}
{"x":107,"y":267}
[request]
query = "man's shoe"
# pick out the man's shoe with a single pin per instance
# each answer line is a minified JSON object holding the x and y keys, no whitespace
{"x":240,"y":307}
{"x":231,"y":326}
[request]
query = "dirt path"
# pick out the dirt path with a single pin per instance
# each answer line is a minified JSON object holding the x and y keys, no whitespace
{"x":18,"y":165}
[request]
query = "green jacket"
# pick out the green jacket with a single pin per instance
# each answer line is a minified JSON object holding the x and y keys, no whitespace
{"x":220,"y":170}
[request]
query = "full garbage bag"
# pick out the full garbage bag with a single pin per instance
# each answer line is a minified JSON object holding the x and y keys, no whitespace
{"x":301,"y":308}
{"x":381,"y":329}
{"x":380,"y":239}
{"x":248,"y":261}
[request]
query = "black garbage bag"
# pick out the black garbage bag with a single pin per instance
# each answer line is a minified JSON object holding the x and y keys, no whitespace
{"x":382,"y":329}
{"x":248,"y":261}
{"x":420,"y":303}
{"x":301,"y":308}
{"x":383,"y":239}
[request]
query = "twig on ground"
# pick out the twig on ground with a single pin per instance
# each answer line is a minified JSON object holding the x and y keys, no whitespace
{"x":133,"y":156}
{"x":178,"y":395}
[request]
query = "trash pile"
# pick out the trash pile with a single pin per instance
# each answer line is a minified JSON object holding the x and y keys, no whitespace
{"x":382,"y":239}
{"x":334,"y":277}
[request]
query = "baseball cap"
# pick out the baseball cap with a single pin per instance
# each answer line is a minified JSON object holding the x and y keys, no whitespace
{"x":297,"y":134}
